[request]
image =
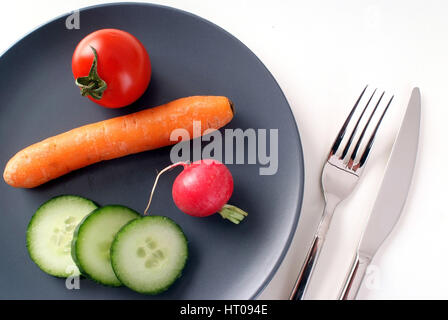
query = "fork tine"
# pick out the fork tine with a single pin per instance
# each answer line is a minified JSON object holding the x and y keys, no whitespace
{"x":349,"y":142}
{"x":366,"y":152}
{"x":341,"y":133}
{"x":355,"y":150}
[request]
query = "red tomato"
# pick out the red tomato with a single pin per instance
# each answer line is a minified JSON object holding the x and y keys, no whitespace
{"x":123,"y":67}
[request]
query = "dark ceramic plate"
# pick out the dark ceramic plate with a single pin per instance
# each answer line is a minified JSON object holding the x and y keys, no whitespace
{"x":190,"y":56}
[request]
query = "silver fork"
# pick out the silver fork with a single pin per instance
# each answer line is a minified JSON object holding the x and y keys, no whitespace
{"x":339,"y":177}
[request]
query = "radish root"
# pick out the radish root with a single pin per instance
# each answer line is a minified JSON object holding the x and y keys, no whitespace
{"x":157,"y":179}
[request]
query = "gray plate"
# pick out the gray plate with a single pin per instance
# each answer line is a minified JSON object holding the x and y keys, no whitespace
{"x":190,"y":56}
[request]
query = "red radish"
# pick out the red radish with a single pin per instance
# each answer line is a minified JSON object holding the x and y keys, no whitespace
{"x":202,"y":189}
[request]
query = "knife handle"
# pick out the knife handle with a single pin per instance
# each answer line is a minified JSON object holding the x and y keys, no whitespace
{"x":307,"y":269}
{"x":354,"y":278}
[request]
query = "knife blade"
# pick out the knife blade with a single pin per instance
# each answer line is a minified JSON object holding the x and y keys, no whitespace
{"x":391,"y":197}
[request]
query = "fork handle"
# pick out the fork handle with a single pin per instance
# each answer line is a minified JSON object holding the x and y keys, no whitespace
{"x":306,"y":272}
{"x":354,"y":278}
{"x":307,"y":269}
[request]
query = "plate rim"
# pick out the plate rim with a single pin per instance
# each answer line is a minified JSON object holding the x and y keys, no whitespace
{"x":301,"y":183}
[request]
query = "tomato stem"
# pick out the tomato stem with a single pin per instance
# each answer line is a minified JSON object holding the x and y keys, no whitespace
{"x":92,"y":85}
{"x":157,"y":179}
{"x":232,"y":213}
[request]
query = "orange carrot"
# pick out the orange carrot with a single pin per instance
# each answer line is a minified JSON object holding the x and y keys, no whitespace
{"x":113,"y":138}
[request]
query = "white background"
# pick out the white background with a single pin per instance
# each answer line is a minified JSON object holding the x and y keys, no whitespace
{"x":322,"y":53}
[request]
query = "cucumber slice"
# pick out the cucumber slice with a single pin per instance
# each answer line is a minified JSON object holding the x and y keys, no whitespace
{"x":149,"y":254}
{"x":50,"y":232}
{"x":93,"y":238}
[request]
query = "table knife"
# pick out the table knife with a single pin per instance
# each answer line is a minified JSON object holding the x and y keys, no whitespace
{"x":391,"y":197}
